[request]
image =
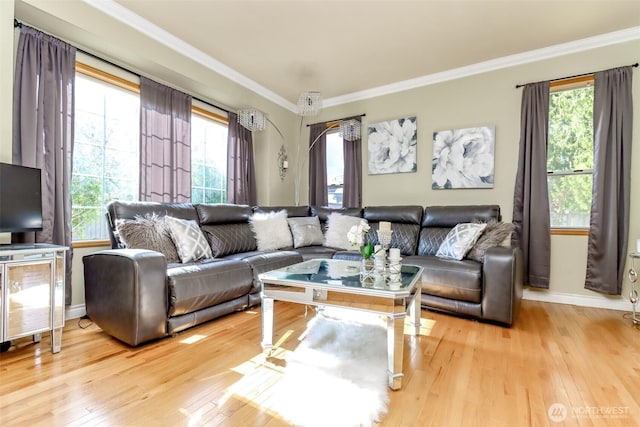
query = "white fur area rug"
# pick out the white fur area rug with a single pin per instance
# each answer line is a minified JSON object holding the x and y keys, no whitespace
{"x":337,"y":376}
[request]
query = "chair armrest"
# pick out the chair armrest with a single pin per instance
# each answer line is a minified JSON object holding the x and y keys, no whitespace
{"x":126,"y":293}
{"x":502,"y":280}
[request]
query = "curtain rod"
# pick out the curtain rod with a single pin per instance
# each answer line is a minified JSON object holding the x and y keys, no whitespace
{"x":518,"y":86}
{"x":18,"y":24}
{"x":337,"y":120}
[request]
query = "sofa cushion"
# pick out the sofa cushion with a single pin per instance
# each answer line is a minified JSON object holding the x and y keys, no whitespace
{"x":271,"y":230}
{"x":448,"y":278}
{"x":404,"y":237}
{"x":261,"y":262}
{"x":460,"y":240}
{"x":338,"y":226}
{"x":189,"y":240}
{"x":305,"y":231}
{"x":206,"y":283}
{"x":430,"y":240}
{"x":149,"y":232}
{"x":312,"y":252}
{"x":226,"y":239}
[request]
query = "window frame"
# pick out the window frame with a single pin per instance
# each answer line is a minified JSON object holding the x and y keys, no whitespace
{"x":560,"y":86}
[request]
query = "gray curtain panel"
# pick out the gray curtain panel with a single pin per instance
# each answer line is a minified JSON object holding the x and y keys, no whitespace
{"x":531,"y":197}
{"x":165,"y":143}
{"x":609,"y":226}
{"x":241,"y":175}
{"x":352,"y":189}
{"x":43,"y":111}
{"x":318,"y":194}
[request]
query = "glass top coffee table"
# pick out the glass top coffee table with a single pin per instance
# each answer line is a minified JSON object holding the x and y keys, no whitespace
{"x":336,"y":283}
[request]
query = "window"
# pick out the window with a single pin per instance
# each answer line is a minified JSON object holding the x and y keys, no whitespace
{"x":570,"y":153}
{"x":208,"y":158}
{"x":106,"y":158}
{"x":105,"y":153}
{"x":335,"y":168}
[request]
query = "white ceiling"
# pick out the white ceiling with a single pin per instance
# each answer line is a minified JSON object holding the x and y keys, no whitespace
{"x":352,"y":49}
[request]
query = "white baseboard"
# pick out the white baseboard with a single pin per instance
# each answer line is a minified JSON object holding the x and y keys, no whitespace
{"x":74,"y":311}
{"x":611,"y":303}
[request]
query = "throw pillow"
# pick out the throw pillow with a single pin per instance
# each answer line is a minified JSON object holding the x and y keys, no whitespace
{"x":271,"y":230}
{"x":493,"y":235}
{"x":306,"y":231}
{"x":149,"y":232}
{"x":188,"y":238}
{"x":460,"y":240}
{"x":338,"y":226}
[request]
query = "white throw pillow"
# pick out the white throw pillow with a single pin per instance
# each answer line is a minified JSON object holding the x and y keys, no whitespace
{"x":338,"y":226}
{"x":460,"y":240}
{"x":306,"y":231}
{"x":271,"y":230}
{"x":188,"y":238}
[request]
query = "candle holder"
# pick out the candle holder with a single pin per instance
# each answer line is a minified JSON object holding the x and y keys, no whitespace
{"x":384,"y":237}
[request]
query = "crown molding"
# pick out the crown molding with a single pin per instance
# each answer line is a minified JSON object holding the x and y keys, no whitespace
{"x":127,"y":17}
{"x":616,"y":37}
{"x":135,"y":21}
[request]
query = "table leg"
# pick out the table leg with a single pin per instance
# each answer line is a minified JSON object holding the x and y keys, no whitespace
{"x":415,"y":312}
{"x":395,"y":350}
{"x":267,"y":325}
{"x":56,"y":340}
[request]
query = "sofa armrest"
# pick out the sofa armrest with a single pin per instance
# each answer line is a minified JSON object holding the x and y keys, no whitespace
{"x":126,"y":293}
{"x":502,"y":284}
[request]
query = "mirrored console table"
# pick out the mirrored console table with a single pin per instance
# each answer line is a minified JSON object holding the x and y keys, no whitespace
{"x":32,"y":279}
{"x":633,"y":293}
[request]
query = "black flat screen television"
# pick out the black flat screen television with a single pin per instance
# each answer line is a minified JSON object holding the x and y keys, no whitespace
{"x":20,"y":198}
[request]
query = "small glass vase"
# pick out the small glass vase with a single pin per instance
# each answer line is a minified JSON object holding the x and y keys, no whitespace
{"x":367,"y":270}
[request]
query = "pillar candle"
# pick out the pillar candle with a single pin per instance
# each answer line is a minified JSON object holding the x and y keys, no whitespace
{"x":384,"y":226}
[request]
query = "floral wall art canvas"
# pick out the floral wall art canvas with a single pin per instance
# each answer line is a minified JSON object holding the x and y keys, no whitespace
{"x":392,"y":146}
{"x":463,"y":158}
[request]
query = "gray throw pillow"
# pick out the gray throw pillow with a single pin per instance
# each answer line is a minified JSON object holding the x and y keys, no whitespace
{"x":493,"y":235}
{"x":188,"y":238}
{"x":149,"y":232}
{"x":306,"y":231}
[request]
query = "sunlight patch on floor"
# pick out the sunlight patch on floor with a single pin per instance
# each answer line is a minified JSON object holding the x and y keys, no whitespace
{"x":193,"y":339}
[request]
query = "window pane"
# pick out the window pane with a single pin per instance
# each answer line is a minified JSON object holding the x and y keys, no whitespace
{"x":571,"y":130}
{"x":570,"y":148}
{"x":335,"y":169}
{"x":105,"y":155}
{"x":570,"y":200}
{"x":208,"y":160}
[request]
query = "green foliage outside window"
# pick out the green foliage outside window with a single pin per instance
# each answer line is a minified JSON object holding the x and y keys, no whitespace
{"x":570,"y":148}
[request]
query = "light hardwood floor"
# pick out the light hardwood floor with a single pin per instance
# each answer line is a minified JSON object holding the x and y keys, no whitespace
{"x":458,"y":372}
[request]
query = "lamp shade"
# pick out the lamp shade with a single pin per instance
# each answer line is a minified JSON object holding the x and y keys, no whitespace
{"x":252,"y":119}
{"x":350,"y":129}
{"x":309,"y":103}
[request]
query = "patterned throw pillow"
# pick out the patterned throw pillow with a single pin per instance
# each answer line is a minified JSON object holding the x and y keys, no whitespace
{"x":149,"y":232}
{"x":338,"y":226}
{"x":460,"y":240}
{"x":188,"y":238}
{"x":306,"y":231}
{"x":271,"y":230}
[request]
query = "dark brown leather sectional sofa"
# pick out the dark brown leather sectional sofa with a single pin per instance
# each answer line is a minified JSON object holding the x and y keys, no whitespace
{"x":136,"y":296}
